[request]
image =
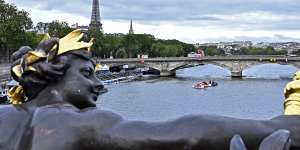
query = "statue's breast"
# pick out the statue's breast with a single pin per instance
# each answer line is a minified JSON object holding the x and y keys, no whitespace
{"x":66,"y":128}
{"x":56,"y":128}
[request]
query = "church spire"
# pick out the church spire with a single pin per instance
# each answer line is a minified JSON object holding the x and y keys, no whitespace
{"x":131,"y":28}
{"x":95,"y":19}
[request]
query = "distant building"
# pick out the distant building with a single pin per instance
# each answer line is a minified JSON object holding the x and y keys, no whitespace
{"x":262,"y":45}
{"x":288,"y":46}
{"x":198,"y":54}
{"x":227,"y":46}
{"x":194,"y":55}
{"x":143,"y":56}
{"x":41,"y":28}
{"x":236,"y":45}
{"x":115,"y":34}
{"x":131,"y":28}
{"x":76,"y":26}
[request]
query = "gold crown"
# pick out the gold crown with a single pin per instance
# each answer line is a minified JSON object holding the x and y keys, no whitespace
{"x":71,"y":42}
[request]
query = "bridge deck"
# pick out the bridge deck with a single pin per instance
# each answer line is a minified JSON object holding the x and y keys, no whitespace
{"x":207,"y":58}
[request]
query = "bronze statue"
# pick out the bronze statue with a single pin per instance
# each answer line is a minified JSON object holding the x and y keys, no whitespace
{"x":54,"y":109}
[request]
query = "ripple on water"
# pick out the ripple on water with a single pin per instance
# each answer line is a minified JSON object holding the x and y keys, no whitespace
{"x":161,"y":99}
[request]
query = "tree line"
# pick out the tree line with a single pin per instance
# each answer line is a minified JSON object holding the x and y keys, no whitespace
{"x":16,"y":30}
{"x":215,"y":51}
{"x":130,"y":45}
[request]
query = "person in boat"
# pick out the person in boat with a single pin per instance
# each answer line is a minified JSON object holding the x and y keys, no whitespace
{"x":54,"y":108}
{"x":199,"y":85}
{"x":212,"y":83}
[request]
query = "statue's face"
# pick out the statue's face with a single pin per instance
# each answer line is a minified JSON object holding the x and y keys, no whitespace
{"x":80,"y":86}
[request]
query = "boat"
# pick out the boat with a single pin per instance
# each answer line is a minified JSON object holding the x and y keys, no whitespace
{"x":199,"y":86}
{"x":120,"y":77}
{"x":3,"y":94}
{"x":100,"y":69}
{"x":203,"y":84}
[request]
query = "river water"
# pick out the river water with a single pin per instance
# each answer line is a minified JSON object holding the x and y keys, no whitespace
{"x":259,"y":95}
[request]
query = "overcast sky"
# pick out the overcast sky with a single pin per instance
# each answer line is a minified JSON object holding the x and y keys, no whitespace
{"x":192,"y":21}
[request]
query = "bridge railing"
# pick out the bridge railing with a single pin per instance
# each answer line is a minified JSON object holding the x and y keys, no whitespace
{"x":272,"y":58}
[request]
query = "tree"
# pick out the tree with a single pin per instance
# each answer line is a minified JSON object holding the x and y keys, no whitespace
{"x":144,"y":42}
{"x":112,"y":44}
{"x":156,"y":49}
{"x":210,"y":50}
{"x":59,"y":29}
{"x":98,"y":46}
{"x":13,"y":24}
{"x":131,"y":45}
{"x":121,"y":53}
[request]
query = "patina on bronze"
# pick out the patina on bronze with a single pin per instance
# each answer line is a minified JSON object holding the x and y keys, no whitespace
{"x":59,"y":113}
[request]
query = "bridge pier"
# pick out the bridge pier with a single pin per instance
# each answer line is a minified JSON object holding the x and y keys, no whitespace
{"x":236,"y":70}
{"x":166,"y":73}
{"x":236,"y":74}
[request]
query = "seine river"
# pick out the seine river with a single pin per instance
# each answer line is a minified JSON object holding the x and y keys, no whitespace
{"x":259,"y":95}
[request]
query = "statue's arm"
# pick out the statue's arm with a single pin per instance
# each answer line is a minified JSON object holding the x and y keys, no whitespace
{"x":107,"y":131}
{"x":190,"y":132}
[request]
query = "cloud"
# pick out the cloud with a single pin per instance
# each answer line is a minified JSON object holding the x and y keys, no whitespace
{"x":186,"y":20}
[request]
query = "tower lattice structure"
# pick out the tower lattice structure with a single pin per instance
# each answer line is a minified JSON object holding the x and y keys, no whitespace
{"x":95,"y":19}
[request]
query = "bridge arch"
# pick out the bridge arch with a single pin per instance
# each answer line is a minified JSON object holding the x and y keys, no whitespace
{"x":222,"y":65}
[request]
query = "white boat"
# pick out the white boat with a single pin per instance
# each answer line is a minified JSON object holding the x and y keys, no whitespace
{"x":202,"y":85}
{"x":3,"y":94}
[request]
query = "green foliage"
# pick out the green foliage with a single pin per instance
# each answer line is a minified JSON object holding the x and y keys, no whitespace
{"x":130,"y":44}
{"x":170,"y":48}
{"x":144,"y":42}
{"x":212,"y":50}
{"x":112,"y":44}
{"x":161,"y":49}
{"x":258,"y":51}
{"x":59,"y":29}
{"x":156,"y":49}
{"x":13,"y":24}
{"x":98,"y":46}
{"x":32,"y":39}
{"x":121,"y":53}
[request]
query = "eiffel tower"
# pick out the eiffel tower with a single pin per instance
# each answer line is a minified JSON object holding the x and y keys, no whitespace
{"x":95,"y":19}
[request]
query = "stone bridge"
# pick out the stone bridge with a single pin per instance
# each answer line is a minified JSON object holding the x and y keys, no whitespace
{"x":236,"y":64}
